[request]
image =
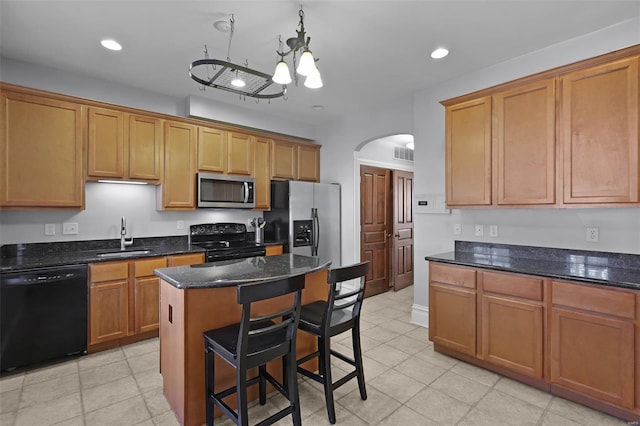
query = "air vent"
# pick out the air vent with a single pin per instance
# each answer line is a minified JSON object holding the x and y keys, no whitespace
{"x":402,"y":153}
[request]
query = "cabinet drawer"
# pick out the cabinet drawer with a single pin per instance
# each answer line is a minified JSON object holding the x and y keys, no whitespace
{"x":512,"y":285}
{"x":109,"y":271}
{"x":596,"y":299}
{"x":454,"y":275}
{"x":144,"y":268}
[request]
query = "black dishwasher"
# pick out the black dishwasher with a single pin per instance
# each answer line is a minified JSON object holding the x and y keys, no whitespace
{"x":43,"y":315}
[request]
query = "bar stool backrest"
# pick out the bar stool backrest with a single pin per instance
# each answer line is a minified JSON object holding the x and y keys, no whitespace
{"x":343,"y":308}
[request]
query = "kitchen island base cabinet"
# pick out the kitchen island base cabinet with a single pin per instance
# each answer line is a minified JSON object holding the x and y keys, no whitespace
{"x":184,"y":315}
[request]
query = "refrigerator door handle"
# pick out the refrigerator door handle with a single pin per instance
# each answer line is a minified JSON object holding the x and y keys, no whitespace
{"x":316,"y":232}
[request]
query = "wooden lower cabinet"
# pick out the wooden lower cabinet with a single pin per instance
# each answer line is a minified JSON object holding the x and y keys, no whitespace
{"x":592,"y":351}
{"x":185,"y":259}
{"x":575,"y":340}
{"x":123,"y":301}
{"x":512,"y":322}
{"x":452,"y":308}
{"x":108,"y":301}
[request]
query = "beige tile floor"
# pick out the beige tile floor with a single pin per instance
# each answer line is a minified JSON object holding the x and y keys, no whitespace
{"x":407,"y":384}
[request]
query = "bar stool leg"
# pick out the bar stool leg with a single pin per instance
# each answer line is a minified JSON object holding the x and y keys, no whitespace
{"x":262,"y":384}
{"x":243,"y":410}
{"x":209,"y":365}
{"x":292,"y":387}
{"x":325,"y":361}
{"x":357,"y":356}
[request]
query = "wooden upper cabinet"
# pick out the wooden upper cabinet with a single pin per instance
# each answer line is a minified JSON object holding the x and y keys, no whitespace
{"x":178,"y":190}
{"x":524,"y":133}
{"x":284,"y":160}
{"x":145,"y":148}
{"x":599,"y":133}
{"x":240,"y":154}
{"x":212,"y":150}
{"x":123,"y":146}
{"x":468,"y":153}
{"x":309,"y":163}
{"x":262,"y":173}
{"x":41,"y":152}
{"x":105,"y":145}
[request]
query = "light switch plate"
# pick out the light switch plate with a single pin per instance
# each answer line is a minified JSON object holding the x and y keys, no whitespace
{"x":180,"y":224}
{"x":457,"y":229}
{"x":49,"y":229}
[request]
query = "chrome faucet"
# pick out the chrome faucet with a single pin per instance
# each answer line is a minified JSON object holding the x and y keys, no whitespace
{"x":124,"y":242}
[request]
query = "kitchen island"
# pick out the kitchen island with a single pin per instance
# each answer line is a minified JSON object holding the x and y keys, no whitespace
{"x":197,"y":298}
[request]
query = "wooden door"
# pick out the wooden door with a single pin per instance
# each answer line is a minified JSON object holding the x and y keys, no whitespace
{"x":376,"y":225}
{"x":262,"y":173}
{"x":284,"y":160}
{"x":212,"y":150}
{"x":308,"y":163}
{"x":402,"y":241}
{"x":145,"y":148}
{"x":106,"y":143}
{"x":599,"y":131}
{"x":525,"y":144}
{"x":42,"y":152}
{"x":468,"y":153}
{"x":240,"y":154}
{"x":178,"y":188}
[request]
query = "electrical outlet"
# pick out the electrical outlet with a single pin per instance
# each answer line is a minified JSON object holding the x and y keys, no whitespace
{"x":493,"y":230}
{"x":180,"y":224}
{"x":457,"y":229}
{"x":479,"y":230}
{"x":70,"y":228}
{"x":592,"y":235}
{"x":49,"y":229}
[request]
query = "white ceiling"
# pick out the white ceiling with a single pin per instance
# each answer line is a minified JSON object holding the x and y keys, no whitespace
{"x":369,"y":51}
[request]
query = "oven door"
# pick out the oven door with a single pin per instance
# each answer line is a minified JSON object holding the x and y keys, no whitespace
{"x":230,"y":254}
{"x":222,"y":191}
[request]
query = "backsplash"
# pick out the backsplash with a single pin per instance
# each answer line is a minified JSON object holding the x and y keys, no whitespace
{"x":105,"y":205}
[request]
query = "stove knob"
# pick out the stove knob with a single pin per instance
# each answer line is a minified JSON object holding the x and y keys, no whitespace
{"x":202,"y":230}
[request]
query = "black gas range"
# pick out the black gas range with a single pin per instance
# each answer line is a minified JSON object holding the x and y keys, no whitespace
{"x":224,"y":241}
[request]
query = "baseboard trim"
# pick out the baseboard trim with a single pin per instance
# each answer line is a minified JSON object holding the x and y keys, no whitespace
{"x":420,"y":315}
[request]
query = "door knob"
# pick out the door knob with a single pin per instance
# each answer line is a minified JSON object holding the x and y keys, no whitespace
{"x":397,"y":235}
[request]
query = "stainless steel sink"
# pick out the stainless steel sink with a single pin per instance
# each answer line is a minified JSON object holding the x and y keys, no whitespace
{"x":126,"y":253}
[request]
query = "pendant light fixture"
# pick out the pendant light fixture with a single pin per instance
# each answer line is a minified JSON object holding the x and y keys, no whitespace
{"x":307,"y":66}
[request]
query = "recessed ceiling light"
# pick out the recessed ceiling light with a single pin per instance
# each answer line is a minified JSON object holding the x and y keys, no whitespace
{"x":439,"y":53}
{"x":317,"y":107}
{"x":111,"y":44}
{"x":238,"y":82}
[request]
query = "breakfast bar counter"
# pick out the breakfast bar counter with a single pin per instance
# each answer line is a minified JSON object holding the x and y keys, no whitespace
{"x":197,"y":298}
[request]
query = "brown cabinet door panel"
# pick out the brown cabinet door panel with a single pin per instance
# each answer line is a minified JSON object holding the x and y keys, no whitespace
{"x":42,"y":152}
{"x":147,"y":293}
{"x":240,"y":154}
{"x":468,"y":153}
{"x":106,"y":143}
{"x":512,"y":334}
{"x":185,"y":259}
{"x":599,"y":130}
{"x":308,"y":163}
{"x":284,"y":160}
{"x":212,"y":150}
{"x":452,"y":317}
{"x":262,"y":173}
{"x":145,"y":148}
{"x":525,"y":144}
{"x":178,"y":188}
{"x":594,"y":355}
{"x":108,"y":313}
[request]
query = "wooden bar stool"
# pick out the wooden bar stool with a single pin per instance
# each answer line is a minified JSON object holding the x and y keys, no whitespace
{"x":254,"y":341}
{"x":325,"y":319}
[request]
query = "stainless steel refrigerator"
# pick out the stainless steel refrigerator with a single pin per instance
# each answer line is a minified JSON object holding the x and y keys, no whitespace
{"x":305,"y":216}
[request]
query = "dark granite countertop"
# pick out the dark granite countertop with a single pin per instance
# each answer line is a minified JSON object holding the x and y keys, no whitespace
{"x":612,"y":269}
{"x":17,"y":257}
{"x":241,"y":271}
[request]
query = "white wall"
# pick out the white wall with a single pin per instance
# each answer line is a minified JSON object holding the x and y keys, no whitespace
{"x":340,"y":138}
{"x":619,"y":227}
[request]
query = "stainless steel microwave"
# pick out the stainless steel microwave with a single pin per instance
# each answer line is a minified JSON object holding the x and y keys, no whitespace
{"x":226,"y":191}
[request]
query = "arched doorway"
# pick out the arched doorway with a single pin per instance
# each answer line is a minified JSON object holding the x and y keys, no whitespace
{"x":384,"y":206}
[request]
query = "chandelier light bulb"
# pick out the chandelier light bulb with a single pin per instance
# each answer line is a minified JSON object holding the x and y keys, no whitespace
{"x":313,"y":80}
{"x":281,"y":74}
{"x":307,"y":63}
